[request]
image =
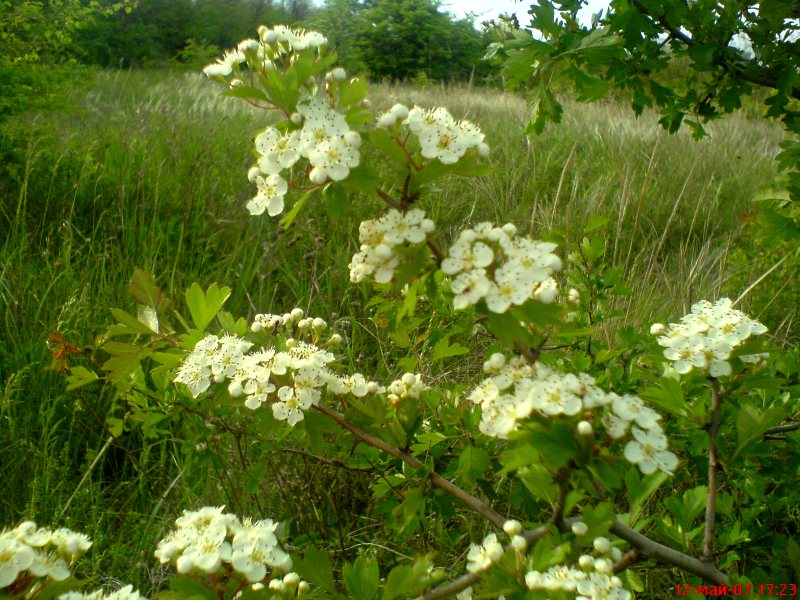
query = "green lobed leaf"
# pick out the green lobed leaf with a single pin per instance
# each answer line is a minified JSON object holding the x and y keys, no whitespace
{"x":361,"y":578}
{"x":204,"y":306}
{"x":80,"y":376}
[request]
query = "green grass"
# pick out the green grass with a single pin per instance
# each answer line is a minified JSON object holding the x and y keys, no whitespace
{"x":147,"y":169}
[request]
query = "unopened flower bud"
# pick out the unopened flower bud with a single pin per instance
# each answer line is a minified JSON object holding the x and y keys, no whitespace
{"x":400,"y":111}
{"x":256,"y":327}
{"x":319,"y":324}
{"x":339,"y":74}
{"x":291,"y":579}
{"x":297,"y":314}
{"x":351,"y":138}
{"x":518,"y":543}
{"x":512,"y":527}
{"x":269,"y":36}
{"x":291,"y":343}
{"x":276,"y":585}
{"x":235,"y":389}
{"x":409,"y":379}
{"x":602,"y":545}
{"x":248,"y":46}
{"x":386,"y":120}
{"x":335,"y":340}
{"x":586,"y":562}
{"x":219,"y":377}
{"x":603,"y":565}
{"x":547,"y":295}
{"x":657,"y":329}
{"x":318,"y":176}
{"x":585,"y":428}
{"x":303,"y":587}
{"x":483,"y":150}
{"x":296,"y":118}
{"x":573,"y":296}
{"x":579,"y":528}
{"x":616,"y":554}
{"x":427,"y":226}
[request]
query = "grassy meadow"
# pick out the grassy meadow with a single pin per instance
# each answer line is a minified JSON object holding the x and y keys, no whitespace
{"x":148,"y":170}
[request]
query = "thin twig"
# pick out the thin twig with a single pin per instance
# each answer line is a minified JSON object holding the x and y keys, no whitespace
{"x":711,"y":504}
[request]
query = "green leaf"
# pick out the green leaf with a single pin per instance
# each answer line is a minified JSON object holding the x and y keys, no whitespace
{"x":598,"y":519}
{"x":472,"y":465}
{"x":143,"y":289}
{"x":443,"y":349}
{"x":407,"y":580}
{"x":128,"y":324}
{"x":353,"y":91}
{"x":80,"y":376}
{"x":361,"y":578}
{"x":315,"y":567}
{"x":287,"y":220}
{"x":387,"y":145}
{"x":751,"y":423}
{"x":205,"y":306}
{"x":247,"y":93}
{"x":336,"y":200}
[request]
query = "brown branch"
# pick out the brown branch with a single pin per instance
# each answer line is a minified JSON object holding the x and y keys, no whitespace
{"x":562,"y":479}
{"x":465,"y":581}
{"x":786,"y":428}
{"x":652,"y":549}
{"x":388,"y":199}
{"x":474,"y":503}
{"x":711,"y":505}
{"x":628,"y":559}
{"x":644,"y":545}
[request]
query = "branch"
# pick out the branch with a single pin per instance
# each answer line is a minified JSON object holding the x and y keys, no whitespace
{"x":711,"y":505}
{"x":474,"y":503}
{"x":786,"y":428}
{"x":652,"y":549}
{"x":465,"y":581}
{"x":646,"y":547}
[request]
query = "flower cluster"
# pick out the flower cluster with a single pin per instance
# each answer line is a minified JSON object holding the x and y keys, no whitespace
{"x":440,"y":135}
{"x":379,"y":239}
{"x":38,"y":552}
{"x":265,"y":52}
{"x":496,"y":265}
{"x":315,"y":131}
{"x":206,"y":539}
{"x":409,"y":385}
{"x":705,"y":338}
{"x":126,"y":593}
{"x":291,"y":374}
{"x":591,"y":579}
{"x":325,"y":140}
{"x":515,"y":390}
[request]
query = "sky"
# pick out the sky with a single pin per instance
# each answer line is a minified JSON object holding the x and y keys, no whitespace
{"x":489,"y":9}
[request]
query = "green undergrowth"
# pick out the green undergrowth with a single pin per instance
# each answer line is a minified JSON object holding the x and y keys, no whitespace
{"x":147,"y":170}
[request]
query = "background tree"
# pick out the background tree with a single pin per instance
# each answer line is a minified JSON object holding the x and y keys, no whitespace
{"x":401,"y":39}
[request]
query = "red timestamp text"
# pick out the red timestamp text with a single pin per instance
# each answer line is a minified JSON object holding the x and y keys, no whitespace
{"x":777,"y":590}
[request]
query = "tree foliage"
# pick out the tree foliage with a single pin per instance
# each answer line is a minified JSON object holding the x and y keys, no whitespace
{"x":729,"y":49}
